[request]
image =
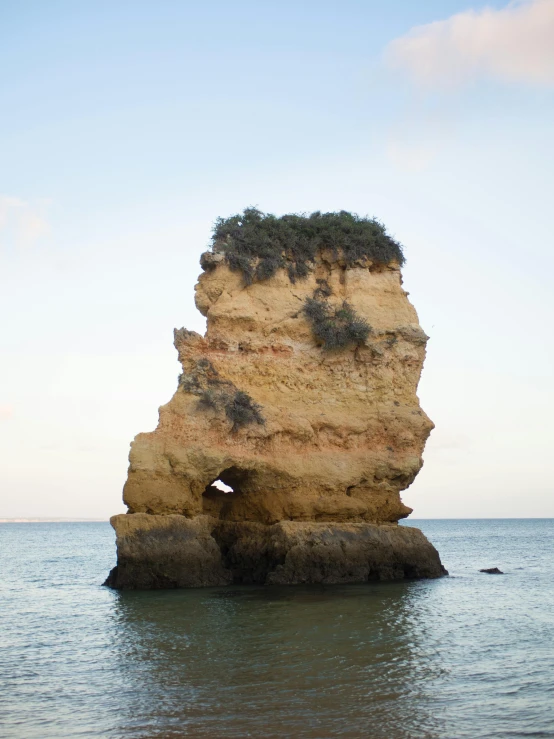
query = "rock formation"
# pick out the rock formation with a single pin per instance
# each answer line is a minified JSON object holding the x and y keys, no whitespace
{"x":315,"y":429}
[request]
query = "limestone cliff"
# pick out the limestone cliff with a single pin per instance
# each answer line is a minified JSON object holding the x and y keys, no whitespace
{"x":315,"y":440}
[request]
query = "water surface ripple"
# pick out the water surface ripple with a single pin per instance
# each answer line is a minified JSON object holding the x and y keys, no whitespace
{"x":470,"y":655}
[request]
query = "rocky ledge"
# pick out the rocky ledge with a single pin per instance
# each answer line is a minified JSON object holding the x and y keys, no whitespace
{"x":300,"y":402}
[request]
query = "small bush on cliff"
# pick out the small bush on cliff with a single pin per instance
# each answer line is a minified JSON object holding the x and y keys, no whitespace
{"x":210,"y":399}
{"x":258,"y":244}
{"x":237,"y":405}
{"x":220,"y":395}
{"x":338,"y":327}
{"x":242,"y":410}
{"x":323,"y":289}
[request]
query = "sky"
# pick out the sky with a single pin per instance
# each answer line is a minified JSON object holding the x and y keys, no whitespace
{"x":128,"y":127}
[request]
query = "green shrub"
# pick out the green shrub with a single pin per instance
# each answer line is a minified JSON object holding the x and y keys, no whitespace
{"x":242,"y":410}
{"x":221,"y":395}
{"x":258,"y":244}
{"x":209,"y":398}
{"x":237,"y":405}
{"x":322,"y":290}
{"x":338,"y":327}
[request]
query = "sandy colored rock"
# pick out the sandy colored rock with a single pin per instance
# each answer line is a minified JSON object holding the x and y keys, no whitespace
{"x":342,"y":432}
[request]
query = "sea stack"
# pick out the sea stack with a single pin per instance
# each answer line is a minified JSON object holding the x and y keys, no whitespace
{"x":301,"y":398}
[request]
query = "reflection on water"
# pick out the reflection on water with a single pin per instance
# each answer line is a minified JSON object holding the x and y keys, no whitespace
{"x":290,"y":661}
{"x":464,"y":657}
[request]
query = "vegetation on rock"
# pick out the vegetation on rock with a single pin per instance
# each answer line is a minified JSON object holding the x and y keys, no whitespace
{"x":258,"y":244}
{"x":221,"y":395}
{"x":242,"y":410}
{"x":335,"y":328}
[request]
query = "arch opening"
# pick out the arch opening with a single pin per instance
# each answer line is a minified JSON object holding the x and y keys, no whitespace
{"x":220,"y":493}
{"x":220,"y":485}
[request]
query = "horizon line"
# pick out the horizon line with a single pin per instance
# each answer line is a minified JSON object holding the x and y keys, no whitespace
{"x":77,"y":519}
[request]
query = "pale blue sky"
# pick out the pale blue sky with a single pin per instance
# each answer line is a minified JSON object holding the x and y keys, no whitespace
{"x":126,"y":128}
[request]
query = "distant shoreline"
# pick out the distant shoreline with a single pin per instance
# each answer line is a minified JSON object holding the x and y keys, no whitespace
{"x":54,"y":520}
{"x":37,"y":519}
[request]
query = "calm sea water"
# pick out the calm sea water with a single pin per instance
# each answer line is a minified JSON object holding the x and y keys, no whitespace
{"x":471,"y":655}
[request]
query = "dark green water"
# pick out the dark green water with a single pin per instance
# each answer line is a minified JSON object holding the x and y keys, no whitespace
{"x":470,"y":655}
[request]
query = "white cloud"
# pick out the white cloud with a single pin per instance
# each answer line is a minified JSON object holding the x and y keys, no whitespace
{"x":21,"y":221}
{"x":415,"y":141}
{"x":514,"y":44}
{"x":6,"y":412}
{"x":409,"y":157}
{"x":7,"y":207}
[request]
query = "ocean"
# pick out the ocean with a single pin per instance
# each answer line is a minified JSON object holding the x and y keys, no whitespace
{"x":469,"y":655}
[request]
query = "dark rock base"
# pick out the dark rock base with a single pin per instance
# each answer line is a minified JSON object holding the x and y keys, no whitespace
{"x":172,"y":551}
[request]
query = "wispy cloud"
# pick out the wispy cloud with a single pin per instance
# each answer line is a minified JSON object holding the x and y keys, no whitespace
{"x":513,"y":44}
{"x":408,"y":156}
{"x":415,"y":141}
{"x":21,"y":221}
{"x":7,"y":412}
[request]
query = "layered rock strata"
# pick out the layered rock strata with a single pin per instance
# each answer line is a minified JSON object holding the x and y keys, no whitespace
{"x":315,"y":443}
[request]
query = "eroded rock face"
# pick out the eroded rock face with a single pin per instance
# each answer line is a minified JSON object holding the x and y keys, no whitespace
{"x":177,"y":552}
{"x":324,"y":442}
